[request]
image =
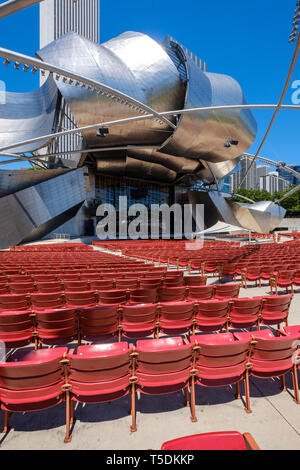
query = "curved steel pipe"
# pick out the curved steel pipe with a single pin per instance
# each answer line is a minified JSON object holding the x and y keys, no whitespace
{"x":148,"y":116}
{"x":24,"y":59}
{"x":13,"y":6}
{"x":278,"y":107}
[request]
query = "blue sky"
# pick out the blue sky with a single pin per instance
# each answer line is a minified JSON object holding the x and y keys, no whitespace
{"x":247,"y":40}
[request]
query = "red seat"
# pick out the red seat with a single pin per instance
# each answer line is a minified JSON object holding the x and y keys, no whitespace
{"x":4,"y":289}
{"x":99,"y":373}
{"x":245,"y":313}
{"x":102,"y":284}
{"x":31,"y":381}
{"x":138,"y":321}
{"x":212,"y":315}
{"x":13,"y":302}
{"x":44,"y":278}
{"x":76,"y":286}
{"x":210,"y":267}
{"x":201,"y":292}
{"x":275,"y":309}
{"x":68,"y":277}
{"x":266,"y":273}
{"x":49,"y":287}
{"x":99,"y":322}
{"x":195,"y":280}
{"x":172,"y":294}
{"x":291,"y":330}
{"x":163,"y":366}
{"x":95,"y":276}
{"x":126,"y":283}
{"x":45,"y":302}
{"x":251,"y":273}
{"x":227,"y":440}
{"x":177,"y":281}
{"x":229,"y":270}
{"x":19,"y":279}
{"x":56,"y":327}
{"x":108,"y":275}
{"x":227,"y":291}
{"x":296,"y":280}
{"x":153,"y":283}
{"x":113,"y":296}
{"x":21,"y":287}
{"x":271,"y":356}
{"x":143,"y":296}
{"x":284,"y":279}
{"x":221,"y":361}
{"x":176,"y":318}
{"x":16,"y":329}
{"x":81,"y":300}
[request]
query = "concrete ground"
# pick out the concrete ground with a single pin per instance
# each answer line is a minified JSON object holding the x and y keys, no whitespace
{"x":274,"y":422}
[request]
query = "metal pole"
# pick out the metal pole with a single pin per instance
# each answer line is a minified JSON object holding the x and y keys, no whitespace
{"x":138,"y":118}
{"x":285,"y":88}
{"x":13,"y":6}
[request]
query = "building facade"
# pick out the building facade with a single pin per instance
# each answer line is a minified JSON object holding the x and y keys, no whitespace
{"x":58,"y":17}
{"x":272,"y":183}
{"x":238,"y":175}
{"x":288,"y":176}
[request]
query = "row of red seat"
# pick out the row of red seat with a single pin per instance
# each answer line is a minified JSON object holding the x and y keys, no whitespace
{"x":36,"y":380}
{"x":59,"y":247}
{"x":77,"y":297}
{"x":71,"y":282}
{"x":46,"y":323}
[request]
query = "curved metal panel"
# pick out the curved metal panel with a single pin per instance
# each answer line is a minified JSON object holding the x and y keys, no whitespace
{"x":142,"y":72}
{"x":203,"y":135}
{"x":261,"y":217}
{"x":27,"y":115}
{"x":153,"y":81}
{"x":212,"y":172}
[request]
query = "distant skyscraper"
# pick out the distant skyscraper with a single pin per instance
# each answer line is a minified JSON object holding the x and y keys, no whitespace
{"x":272,"y":182}
{"x":261,"y":170}
{"x":288,"y":176}
{"x":237,"y":176}
{"x":58,"y":17}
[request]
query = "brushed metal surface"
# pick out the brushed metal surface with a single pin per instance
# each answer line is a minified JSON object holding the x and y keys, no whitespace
{"x":108,"y":65}
{"x":33,"y":210}
{"x":27,"y":115}
{"x":261,"y":217}
{"x":140,"y":68}
{"x":202,"y":135}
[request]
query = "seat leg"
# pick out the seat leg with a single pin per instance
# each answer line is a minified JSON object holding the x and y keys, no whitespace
{"x":296,"y":385}
{"x":247,"y":393}
{"x":6,"y":422}
{"x":193,"y":401}
{"x":132,"y":407}
{"x":72,"y":412}
{"x":283,"y":384}
{"x":68,"y":437}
